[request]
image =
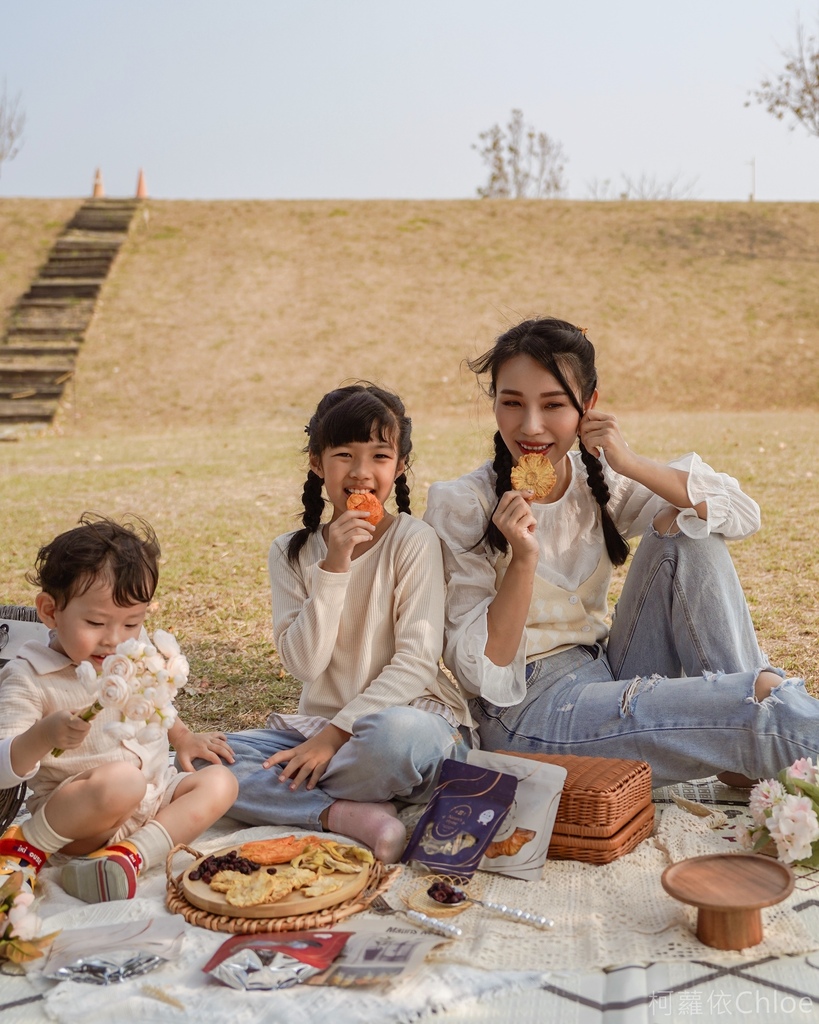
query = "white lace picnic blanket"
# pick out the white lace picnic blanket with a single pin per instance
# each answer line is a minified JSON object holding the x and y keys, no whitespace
{"x":604,"y":915}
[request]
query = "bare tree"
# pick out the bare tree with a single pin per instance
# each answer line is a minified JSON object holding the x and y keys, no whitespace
{"x":12,"y":122}
{"x":646,"y":187}
{"x":795,"y":91}
{"x":523,"y":163}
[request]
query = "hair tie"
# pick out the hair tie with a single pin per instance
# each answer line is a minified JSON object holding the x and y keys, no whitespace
{"x":583,"y":330}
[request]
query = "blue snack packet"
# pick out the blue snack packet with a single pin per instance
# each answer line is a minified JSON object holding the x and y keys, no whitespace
{"x":465,"y":811}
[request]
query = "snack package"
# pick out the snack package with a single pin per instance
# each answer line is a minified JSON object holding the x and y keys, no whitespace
{"x":466,"y":809}
{"x":113,"y":953}
{"x":274,"y":960}
{"x":379,"y":953}
{"x":520,"y":846}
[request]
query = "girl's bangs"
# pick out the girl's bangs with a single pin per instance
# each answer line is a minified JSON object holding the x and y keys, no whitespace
{"x":356,"y":420}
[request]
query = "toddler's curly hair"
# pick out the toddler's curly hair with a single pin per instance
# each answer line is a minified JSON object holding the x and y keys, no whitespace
{"x":126,"y":555}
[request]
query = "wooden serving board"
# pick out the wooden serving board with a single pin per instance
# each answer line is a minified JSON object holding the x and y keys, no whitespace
{"x":201,"y":895}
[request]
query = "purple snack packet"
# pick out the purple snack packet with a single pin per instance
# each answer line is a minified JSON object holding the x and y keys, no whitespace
{"x":466,"y":809}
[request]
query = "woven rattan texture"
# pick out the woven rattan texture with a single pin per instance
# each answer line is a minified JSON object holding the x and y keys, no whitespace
{"x":600,"y":794}
{"x":380,"y":878}
{"x":603,"y":850}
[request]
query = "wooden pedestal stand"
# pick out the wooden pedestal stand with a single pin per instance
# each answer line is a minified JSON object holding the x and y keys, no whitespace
{"x":729,"y":890}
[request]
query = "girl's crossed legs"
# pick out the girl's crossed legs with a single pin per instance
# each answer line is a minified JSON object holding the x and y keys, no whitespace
{"x":391,"y":754}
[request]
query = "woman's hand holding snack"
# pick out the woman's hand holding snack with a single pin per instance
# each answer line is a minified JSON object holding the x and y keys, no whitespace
{"x":208,"y":746}
{"x":343,"y":535}
{"x":308,"y":760}
{"x":513,"y":517}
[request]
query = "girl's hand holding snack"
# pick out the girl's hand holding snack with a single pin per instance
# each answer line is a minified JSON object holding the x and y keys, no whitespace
{"x":309,"y":760}
{"x":343,"y":535}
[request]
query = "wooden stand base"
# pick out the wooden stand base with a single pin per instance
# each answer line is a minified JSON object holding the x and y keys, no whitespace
{"x":728,"y":890}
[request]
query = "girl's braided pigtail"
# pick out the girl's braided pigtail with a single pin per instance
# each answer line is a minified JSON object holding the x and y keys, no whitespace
{"x":616,"y":544}
{"x":313,"y":503}
{"x":402,"y":494}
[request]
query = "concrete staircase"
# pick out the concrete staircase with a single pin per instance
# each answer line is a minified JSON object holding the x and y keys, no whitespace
{"x":47,"y":325}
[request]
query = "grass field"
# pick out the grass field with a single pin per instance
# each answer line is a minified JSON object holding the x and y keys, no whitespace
{"x":223,"y":323}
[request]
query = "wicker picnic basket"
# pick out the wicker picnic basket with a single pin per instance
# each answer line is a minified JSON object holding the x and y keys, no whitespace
{"x":605,"y":809}
{"x":380,"y":878}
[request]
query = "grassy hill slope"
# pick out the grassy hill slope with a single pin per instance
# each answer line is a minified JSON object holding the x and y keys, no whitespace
{"x":222,"y":323}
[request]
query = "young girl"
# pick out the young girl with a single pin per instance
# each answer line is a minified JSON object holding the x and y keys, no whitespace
{"x":115,"y":803}
{"x":679,"y":680}
{"x":358,"y":618}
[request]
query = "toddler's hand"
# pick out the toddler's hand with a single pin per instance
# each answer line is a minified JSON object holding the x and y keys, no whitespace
{"x":64,"y":730}
{"x":208,"y":746}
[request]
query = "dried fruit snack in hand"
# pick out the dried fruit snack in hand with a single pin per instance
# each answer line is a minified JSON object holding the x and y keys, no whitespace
{"x":367,"y":503}
{"x":534,"y":473}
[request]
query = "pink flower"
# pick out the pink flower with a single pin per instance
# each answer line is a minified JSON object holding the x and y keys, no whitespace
{"x":87,"y":675}
{"x":138,"y":708}
{"x":803,"y":769}
{"x":764,"y":796}
{"x":120,"y":731}
{"x":115,"y":692}
{"x":794,"y":828}
{"x":118,"y":665}
{"x":25,"y":924}
{"x":166,"y":643}
{"x":178,"y":669}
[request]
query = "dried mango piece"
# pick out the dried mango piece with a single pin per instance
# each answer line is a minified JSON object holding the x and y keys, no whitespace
{"x":367,"y":503}
{"x":277,"y":851}
{"x":534,"y":473}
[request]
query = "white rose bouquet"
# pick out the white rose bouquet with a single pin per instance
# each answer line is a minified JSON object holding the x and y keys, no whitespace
{"x":785,"y":812}
{"x":142,"y":681}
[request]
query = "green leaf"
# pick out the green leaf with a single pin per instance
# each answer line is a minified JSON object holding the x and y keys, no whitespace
{"x":813,"y":860}
{"x":809,"y":789}
{"x":787,"y":782}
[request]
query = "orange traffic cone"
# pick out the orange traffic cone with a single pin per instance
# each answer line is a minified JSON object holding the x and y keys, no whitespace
{"x":142,"y":188}
{"x":99,"y":189}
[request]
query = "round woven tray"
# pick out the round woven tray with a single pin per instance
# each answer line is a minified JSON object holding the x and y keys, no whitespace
{"x":379,"y":879}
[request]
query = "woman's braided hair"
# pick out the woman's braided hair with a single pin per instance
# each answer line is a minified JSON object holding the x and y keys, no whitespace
{"x":562,"y":349}
{"x":344,"y":416}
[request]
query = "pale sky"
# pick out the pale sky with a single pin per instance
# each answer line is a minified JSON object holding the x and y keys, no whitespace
{"x":293,"y":99}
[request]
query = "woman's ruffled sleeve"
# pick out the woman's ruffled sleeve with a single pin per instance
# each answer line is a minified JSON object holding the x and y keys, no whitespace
{"x":458,"y":513}
{"x":730,"y":512}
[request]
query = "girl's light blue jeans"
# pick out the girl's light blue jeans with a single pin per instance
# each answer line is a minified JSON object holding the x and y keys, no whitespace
{"x":392,"y":754}
{"x":675,"y":684}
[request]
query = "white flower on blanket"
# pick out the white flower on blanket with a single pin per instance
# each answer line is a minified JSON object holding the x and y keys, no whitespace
{"x":141,"y":680}
{"x":785,"y":812}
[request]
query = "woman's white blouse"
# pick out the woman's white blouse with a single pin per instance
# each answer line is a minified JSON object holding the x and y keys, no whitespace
{"x":569,"y":604}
